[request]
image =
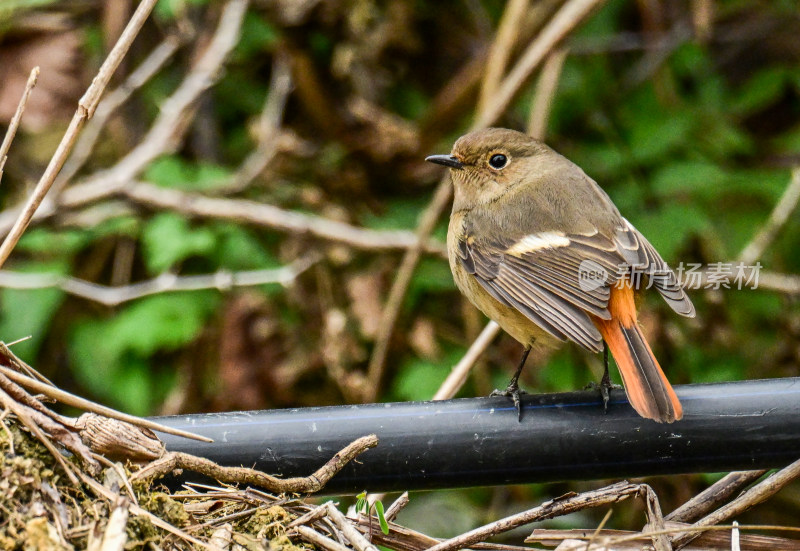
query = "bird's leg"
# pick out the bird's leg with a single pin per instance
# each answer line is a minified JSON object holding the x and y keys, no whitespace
{"x":512,"y":390}
{"x":605,"y":384}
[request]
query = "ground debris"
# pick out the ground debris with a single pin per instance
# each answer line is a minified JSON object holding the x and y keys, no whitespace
{"x":41,"y":509}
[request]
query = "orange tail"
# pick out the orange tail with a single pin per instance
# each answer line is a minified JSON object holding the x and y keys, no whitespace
{"x":648,"y":389}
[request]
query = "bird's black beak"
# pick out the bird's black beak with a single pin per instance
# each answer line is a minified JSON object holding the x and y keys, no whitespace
{"x":445,"y":160}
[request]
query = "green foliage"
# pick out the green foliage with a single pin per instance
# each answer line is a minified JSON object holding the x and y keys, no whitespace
{"x":172,"y":171}
{"x":29,"y":312}
{"x":168,"y":239}
{"x":363,"y":506}
{"x":168,"y":10}
{"x":418,"y":378}
{"x":112,"y":357}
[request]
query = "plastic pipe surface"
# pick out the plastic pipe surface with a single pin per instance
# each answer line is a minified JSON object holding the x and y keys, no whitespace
{"x":479,"y":442}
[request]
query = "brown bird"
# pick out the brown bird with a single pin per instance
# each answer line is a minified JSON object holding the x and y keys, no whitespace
{"x":539,"y":247}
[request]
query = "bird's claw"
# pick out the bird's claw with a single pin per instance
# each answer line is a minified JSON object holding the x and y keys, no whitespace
{"x":512,"y":391}
{"x":605,"y":386}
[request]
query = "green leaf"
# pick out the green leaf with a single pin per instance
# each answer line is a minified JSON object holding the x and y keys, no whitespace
{"x":669,"y":227}
{"x":26,"y":312}
{"x":720,"y":138}
{"x":653,"y":130}
{"x":110,"y":353}
{"x":419,"y":379}
{"x":762,"y":89}
{"x":564,"y":372}
{"x":381,"y":517}
{"x":258,"y":36}
{"x":49,"y":242}
{"x":169,"y":10}
{"x":168,"y":239}
{"x":239,"y":248}
{"x":168,"y":171}
{"x":432,"y":274}
{"x":690,"y":59}
{"x":173,"y":171}
{"x":688,"y":178}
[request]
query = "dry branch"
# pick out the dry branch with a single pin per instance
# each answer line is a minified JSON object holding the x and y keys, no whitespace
{"x":242,"y":475}
{"x":273,"y":217}
{"x":109,"y":105}
{"x":268,"y":129}
{"x":13,"y":125}
{"x":164,"y":283}
{"x":86,"y":106}
{"x":752,"y":497}
{"x":458,"y":376}
{"x":710,"y":540}
{"x":719,"y":492}
{"x":562,"y":23}
{"x":394,"y":303}
{"x":550,"y":509}
{"x":315,"y":538}
{"x":755,"y":249}
{"x":500,"y":51}
{"x":163,"y":136}
{"x":546,"y":88}
{"x":176,"y":111}
{"x":47,"y":389}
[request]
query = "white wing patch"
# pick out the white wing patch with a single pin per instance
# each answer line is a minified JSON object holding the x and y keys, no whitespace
{"x":538,"y":241}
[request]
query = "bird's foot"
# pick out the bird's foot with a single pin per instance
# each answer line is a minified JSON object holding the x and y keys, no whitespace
{"x":605,"y":386}
{"x":512,"y":391}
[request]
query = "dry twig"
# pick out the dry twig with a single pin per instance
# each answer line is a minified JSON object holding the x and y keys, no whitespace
{"x":315,"y":538}
{"x":7,"y":402}
{"x":242,"y":475}
{"x":109,"y":105}
{"x":356,"y":538}
{"x":400,"y":285}
{"x":712,"y":538}
{"x":111,"y":497}
{"x":550,"y":509}
{"x":719,"y":492}
{"x":567,"y":18}
{"x":546,"y":88}
{"x":164,"y":283}
{"x":268,"y":128}
{"x":397,"y":505}
{"x":500,"y":51}
{"x":86,"y":107}
{"x":13,"y":125}
{"x":163,"y":136}
{"x":76,"y":401}
{"x":752,"y":497}
{"x":754,"y":250}
{"x":273,"y":217}
{"x":458,"y":376}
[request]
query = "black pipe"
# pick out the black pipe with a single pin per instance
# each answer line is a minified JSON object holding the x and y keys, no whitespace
{"x":478,"y":441}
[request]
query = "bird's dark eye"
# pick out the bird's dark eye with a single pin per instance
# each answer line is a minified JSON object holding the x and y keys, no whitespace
{"x":498,"y":161}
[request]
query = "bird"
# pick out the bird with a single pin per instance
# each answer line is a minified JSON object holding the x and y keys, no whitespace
{"x":540,"y":248}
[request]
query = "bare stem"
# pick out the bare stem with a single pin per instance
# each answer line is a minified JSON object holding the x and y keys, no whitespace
{"x":14,"y":124}
{"x":86,"y":108}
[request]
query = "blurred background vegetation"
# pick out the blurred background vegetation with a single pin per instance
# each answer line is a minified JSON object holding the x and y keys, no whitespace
{"x":686,"y":112}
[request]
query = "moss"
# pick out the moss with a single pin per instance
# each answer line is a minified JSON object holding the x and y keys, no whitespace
{"x":163,"y":506}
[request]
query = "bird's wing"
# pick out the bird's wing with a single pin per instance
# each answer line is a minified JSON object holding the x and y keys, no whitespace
{"x":660,"y":274}
{"x":558,"y":280}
